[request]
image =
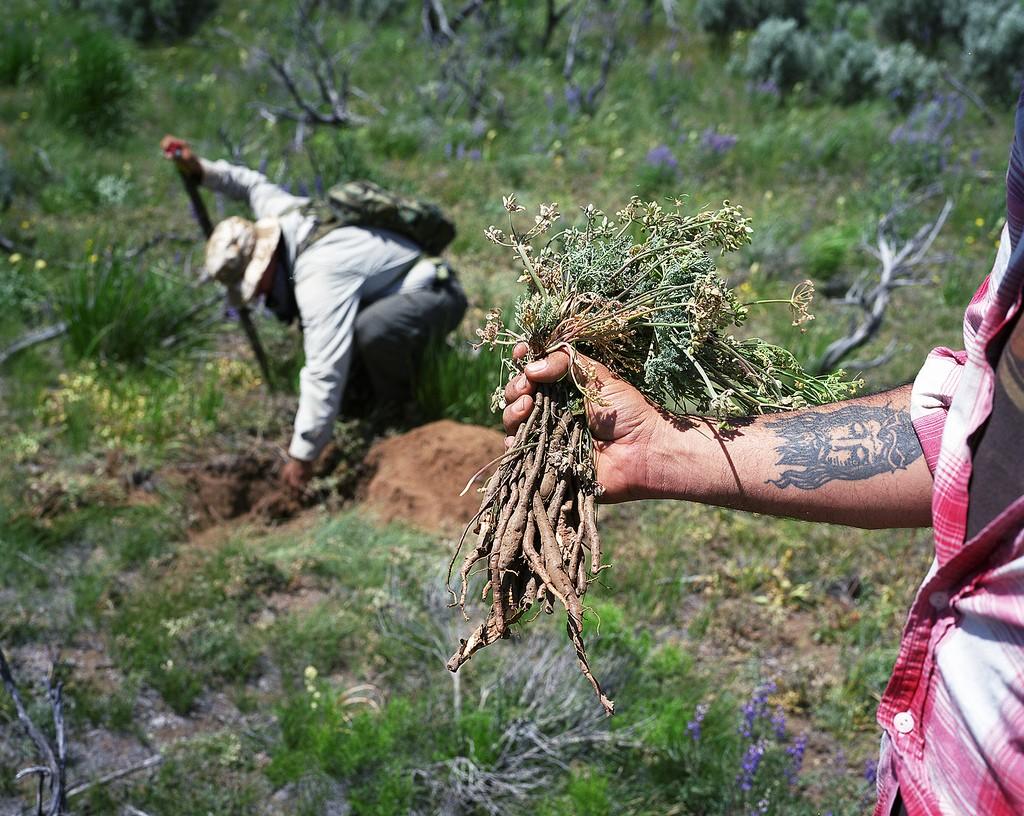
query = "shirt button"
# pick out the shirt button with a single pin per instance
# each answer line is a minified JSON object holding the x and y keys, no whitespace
{"x":903,"y":722}
{"x":939,"y":600}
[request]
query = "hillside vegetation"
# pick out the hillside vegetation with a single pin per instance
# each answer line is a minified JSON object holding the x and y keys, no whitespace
{"x":297,"y":666}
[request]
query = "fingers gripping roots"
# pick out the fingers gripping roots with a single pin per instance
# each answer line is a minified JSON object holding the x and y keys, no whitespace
{"x":536,"y":520}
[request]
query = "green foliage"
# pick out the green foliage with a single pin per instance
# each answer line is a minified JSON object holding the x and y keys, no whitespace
{"x":828,"y":250}
{"x":993,"y":42}
{"x":149,"y":20}
{"x":209,"y":774}
{"x":91,"y":85}
{"x":853,"y":66}
{"x":19,"y":52}
{"x":368,"y":751}
{"x":725,"y":16}
{"x":120,"y":310}
{"x":642,"y":295}
{"x":925,"y":23}
{"x":181,"y":638}
{"x":337,"y":156}
{"x":457,"y":382}
{"x":782,"y":54}
{"x":905,"y":75}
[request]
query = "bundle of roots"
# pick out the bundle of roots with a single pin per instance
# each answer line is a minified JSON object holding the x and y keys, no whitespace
{"x":536,"y":530}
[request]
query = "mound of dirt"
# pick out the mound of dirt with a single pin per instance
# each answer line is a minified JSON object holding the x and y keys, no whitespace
{"x":231,"y":486}
{"x":417,"y":477}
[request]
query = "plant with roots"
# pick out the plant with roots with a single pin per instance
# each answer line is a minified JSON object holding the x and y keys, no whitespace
{"x":639,"y":293}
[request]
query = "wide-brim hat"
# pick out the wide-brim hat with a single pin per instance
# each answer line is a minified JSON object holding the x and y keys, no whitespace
{"x":238,"y":253}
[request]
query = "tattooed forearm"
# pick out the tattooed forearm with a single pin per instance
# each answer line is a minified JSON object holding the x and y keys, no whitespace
{"x":851,"y":443}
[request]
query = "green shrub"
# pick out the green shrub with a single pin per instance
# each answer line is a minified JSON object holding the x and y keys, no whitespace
{"x":118,"y":310}
{"x":925,"y":23}
{"x":993,"y":44}
{"x":722,"y":17}
{"x":148,"y":20}
{"x":852,"y":68}
{"x":906,"y":76}
{"x":90,"y":87}
{"x":782,"y":54}
{"x":19,"y":52}
{"x":828,"y":250}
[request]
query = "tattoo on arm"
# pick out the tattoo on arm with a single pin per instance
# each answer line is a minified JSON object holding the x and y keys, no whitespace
{"x":851,"y":443}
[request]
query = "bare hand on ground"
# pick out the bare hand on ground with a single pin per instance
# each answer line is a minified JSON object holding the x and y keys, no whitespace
{"x":296,"y":474}
{"x":626,"y":429}
{"x":178,"y":151}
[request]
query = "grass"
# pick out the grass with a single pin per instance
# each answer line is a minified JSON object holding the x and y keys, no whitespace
{"x":457,"y":382}
{"x":119,"y":310}
{"x":705,"y":605}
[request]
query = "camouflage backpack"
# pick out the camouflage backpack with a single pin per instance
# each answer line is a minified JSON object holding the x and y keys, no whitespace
{"x":365,"y":204}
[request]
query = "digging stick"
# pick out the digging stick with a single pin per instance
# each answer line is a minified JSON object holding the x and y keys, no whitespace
{"x":244,"y":316}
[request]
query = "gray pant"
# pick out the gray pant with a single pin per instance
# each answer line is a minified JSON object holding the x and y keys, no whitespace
{"x":392,"y":333}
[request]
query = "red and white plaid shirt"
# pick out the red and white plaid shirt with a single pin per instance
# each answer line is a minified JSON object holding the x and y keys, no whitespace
{"x":953,"y":712}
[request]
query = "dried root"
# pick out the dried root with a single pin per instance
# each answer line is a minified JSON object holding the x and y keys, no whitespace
{"x":535,"y":527}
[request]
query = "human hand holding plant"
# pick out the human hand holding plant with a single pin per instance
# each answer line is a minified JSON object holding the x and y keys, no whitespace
{"x":626,"y":427}
{"x":623,"y":337}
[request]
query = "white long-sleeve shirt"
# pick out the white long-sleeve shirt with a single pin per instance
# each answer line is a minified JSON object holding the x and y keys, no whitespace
{"x":347,"y":267}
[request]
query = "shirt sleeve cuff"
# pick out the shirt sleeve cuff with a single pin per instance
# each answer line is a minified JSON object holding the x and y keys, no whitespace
{"x":302,"y":448}
{"x":931,"y":397}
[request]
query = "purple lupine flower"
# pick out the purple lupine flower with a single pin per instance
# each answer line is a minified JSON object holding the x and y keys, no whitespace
{"x":929,"y":122}
{"x":303,"y":189}
{"x":478,"y":128}
{"x":474,"y":154}
{"x":766,"y":88}
{"x":715,"y":142}
{"x":871,"y":771}
{"x":751,"y":762}
{"x":779,"y":723}
{"x":262,"y":167}
{"x":572,"y":96}
{"x":662,"y":157}
{"x":756,"y":707}
{"x":693,"y":726}
{"x":447,"y":150}
{"x":795,"y":752}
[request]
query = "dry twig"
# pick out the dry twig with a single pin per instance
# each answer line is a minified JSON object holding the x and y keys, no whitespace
{"x":901,"y":264}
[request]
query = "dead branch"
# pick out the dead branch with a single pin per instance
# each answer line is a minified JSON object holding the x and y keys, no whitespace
{"x":584,"y":98}
{"x":312,"y":74}
{"x":436,"y":24}
{"x":472,"y":84}
{"x":900,"y":264}
{"x":54,"y":755}
{"x":553,"y":17}
{"x":970,"y":96}
{"x":668,"y":8}
{"x":113,"y":776}
{"x":149,"y":243}
{"x":33,"y":338}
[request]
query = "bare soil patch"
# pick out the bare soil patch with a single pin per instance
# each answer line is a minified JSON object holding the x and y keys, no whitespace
{"x":417,"y":477}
